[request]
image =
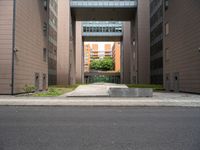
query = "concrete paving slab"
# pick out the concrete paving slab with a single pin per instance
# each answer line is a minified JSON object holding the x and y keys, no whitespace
{"x":94,"y":90}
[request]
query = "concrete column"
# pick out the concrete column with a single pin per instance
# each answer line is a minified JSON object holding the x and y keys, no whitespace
{"x":72,"y":58}
{"x":143,"y":42}
{"x":79,"y":53}
{"x":133,"y":55}
{"x":63,"y":44}
{"x":126,"y":51}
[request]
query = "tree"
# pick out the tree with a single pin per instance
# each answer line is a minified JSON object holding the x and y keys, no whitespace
{"x":104,"y":64}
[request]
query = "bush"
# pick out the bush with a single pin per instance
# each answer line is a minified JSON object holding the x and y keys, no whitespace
{"x":53,"y":91}
{"x":29,"y":88}
{"x":105,"y":64}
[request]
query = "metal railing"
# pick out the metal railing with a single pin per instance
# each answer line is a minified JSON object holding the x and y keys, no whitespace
{"x":102,"y":77}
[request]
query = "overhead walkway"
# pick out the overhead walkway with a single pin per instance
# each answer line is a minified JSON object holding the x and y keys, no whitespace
{"x":103,"y":3}
{"x":103,"y":10}
{"x":102,"y":30}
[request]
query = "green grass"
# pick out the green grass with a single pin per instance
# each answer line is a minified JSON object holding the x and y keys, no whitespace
{"x":155,"y":87}
{"x":56,"y":91}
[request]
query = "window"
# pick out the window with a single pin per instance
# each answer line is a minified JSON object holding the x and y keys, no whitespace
{"x":45,"y":4}
{"x":45,"y":28}
{"x":45,"y":55}
{"x":166,"y":4}
{"x":166,"y":28}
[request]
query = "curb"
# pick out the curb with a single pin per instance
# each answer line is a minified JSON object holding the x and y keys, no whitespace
{"x":99,"y":102}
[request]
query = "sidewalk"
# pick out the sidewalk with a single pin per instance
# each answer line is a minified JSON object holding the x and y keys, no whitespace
{"x":159,"y":99}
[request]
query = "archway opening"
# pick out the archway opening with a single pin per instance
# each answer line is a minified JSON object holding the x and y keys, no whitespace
{"x":102,"y":61}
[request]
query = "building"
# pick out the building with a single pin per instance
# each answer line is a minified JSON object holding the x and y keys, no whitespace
{"x":23,"y":45}
{"x":94,"y":52}
{"x":52,"y":45}
{"x":156,"y":39}
{"x":107,"y":50}
{"x":135,"y":54}
{"x":116,"y":48}
{"x":182,"y":46}
{"x":87,"y":51}
{"x":44,"y":38}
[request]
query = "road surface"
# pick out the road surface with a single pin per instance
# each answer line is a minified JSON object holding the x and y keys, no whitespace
{"x":99,"y":128}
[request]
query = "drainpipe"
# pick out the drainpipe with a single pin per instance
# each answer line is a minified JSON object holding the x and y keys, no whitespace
{"x":13,"y":48}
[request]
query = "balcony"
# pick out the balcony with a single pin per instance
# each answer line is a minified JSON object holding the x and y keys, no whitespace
{"x":103,"y":3}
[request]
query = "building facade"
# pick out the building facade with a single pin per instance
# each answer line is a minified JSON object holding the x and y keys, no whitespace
{"x":182,"y":46}
{"x":133,"y":11}
{"x":116,"y":55}
{"x":42,"y":40}
{"x":52,"y":42}
{"x":23,"y":45}
{"x":156,"y":41}
{"x":94,"y":52}
{"x":87,"y":52}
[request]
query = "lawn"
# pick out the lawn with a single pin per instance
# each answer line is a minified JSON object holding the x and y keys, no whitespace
{"x":56,"y":91}
{"x":155,"y":87}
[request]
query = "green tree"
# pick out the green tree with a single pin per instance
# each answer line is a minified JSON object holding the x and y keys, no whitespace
{"x":105,"y":64}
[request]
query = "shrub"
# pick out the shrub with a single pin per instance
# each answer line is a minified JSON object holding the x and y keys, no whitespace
{"x":104,"y":64}
{"x":29,"y":88}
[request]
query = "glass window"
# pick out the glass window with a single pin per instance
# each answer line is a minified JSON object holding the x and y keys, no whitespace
{"x":166,"y":28}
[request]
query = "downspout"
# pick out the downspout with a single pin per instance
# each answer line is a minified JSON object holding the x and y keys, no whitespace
{"x":13,"y":48}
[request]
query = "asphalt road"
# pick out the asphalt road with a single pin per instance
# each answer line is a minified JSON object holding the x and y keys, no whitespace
{"x":98,"y":128}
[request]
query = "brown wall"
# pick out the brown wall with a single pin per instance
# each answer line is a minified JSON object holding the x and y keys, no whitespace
{"x":63,"y":43}
{"x":126,"y":49}
{"x":79,"y":54}
{"x":143,"y":45}
{"x":30,"y":42}
{"x":133,"y":55}
{"x":6,"y":26}
{"x":182,"y":43}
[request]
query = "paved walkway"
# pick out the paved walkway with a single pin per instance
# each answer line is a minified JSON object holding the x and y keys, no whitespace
{"x":96,"y":89}
{"x":158,"y":99}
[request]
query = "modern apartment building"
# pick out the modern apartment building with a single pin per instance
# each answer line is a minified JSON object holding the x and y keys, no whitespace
{"x":23,"y":45}
{"x":52,"y":42}
{"x":156,"y":39}
{"x":94,"y":52}
{"x":107,"y":50}
{"x":87,"y":52}
{"x":182,"y":46}
{"x":116,"y":55}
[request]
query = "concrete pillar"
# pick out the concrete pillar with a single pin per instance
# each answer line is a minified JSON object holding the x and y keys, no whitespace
{"x":72,"y":58}
{"x":63,"y":44}
{"x":143,"y":42}
{"x":133,"y":52}
{"x":79,"y":54}
{"x":126,"y":51}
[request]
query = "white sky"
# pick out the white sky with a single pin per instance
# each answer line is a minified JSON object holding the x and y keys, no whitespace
{"x":101,"y":44}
